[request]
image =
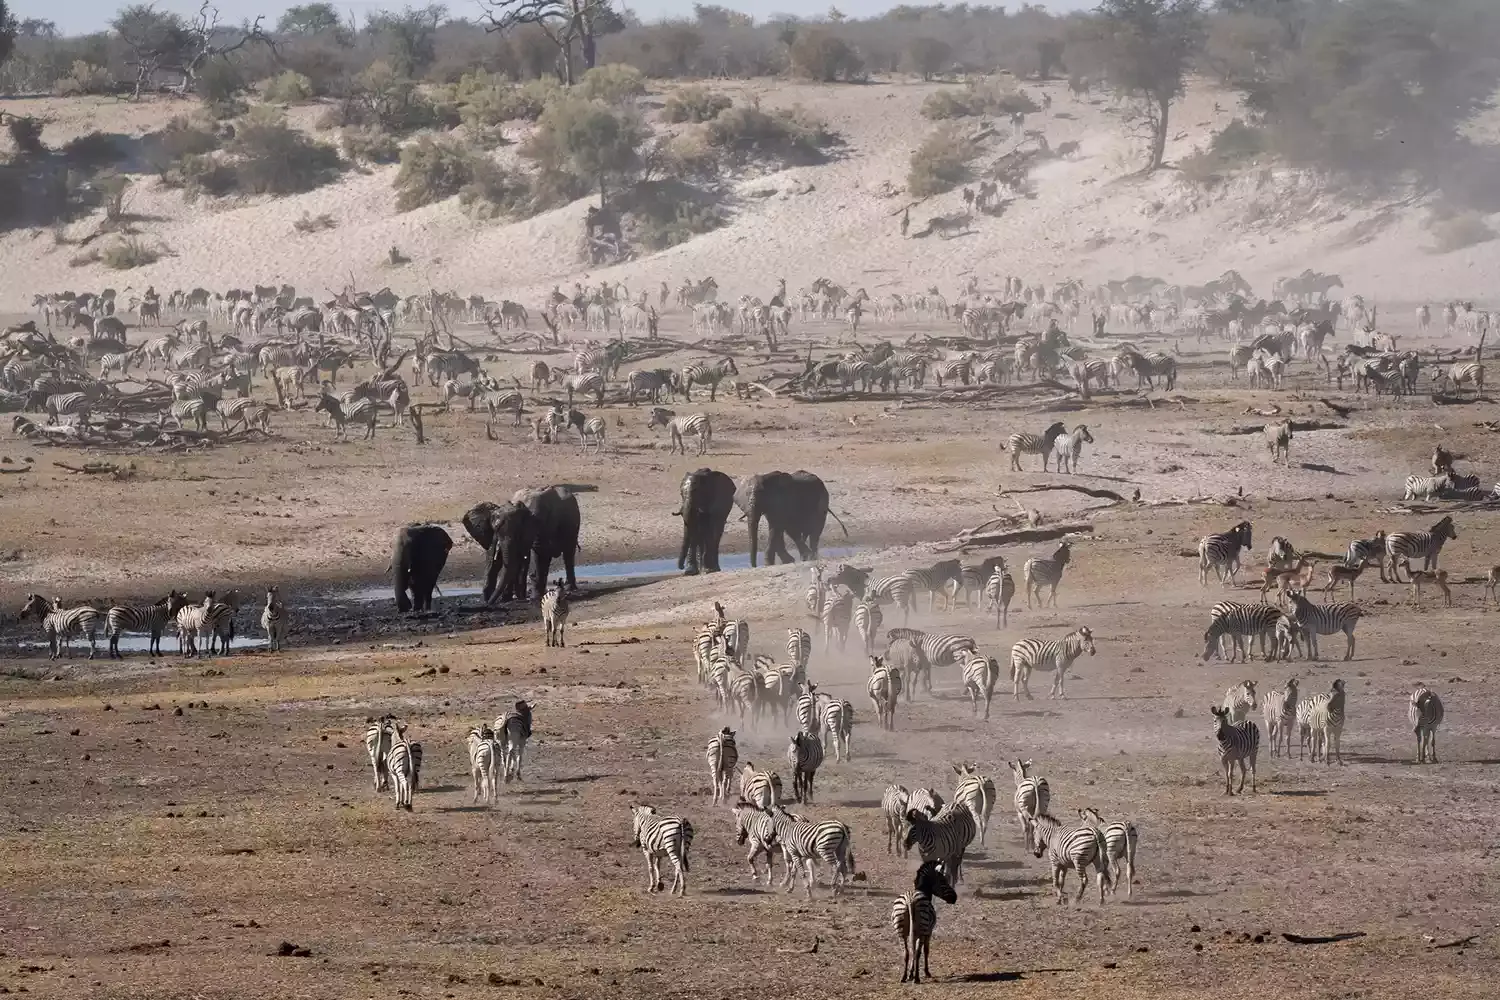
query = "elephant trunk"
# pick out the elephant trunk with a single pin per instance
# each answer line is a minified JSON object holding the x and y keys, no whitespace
{"x":753,"y":516}
{"x":496,"y":563}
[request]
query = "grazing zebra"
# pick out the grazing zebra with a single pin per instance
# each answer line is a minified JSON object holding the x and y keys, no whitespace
{"x":1401,"y":546}
{"x":660,"y":837}
{"x":1033,"y":795}
{"x":798,"y":648}
{"x":943,"y":838}
{"x":1119,"y":847}
{"x":649,"y":382}
{"x":723,"y":756}
{"x":273,"y":619}
{"x":760,"y":788}
{"x":753,"y":826}
{"x":837,"y":610}
{"x":1326,"y":619}
{"x":1239,"y":701}
{"x":1238,"y":742}
{"x":804,"y":844}
{"x":1281,"y":717}
{"x":838,"y":723}
{"x":1068,"y":448}
{"x":1023,"y":443}
{"x":913,"y":918}
{"x":1222,"y":552}
{"x":151,"y":619}
{"x":60,"y":624}
{"x":1363,"y":551}
{"x":378,"y":744}
{"x":403,"y":763}
{"x":1055,"y":655}
{"x":1071,"y":848}
{"x":683,"y":427}
{"x":482,"y":763}
{"x":867,"y":622}
{"x":1461,"y":372}
{"x":895,"y":801}
{"x":980,"y":676}
{"x":1325,"y":720}
{"x":1039,"y":573}
{"x":999,"y":589}
{"x":555,"y":613}
{"x":706,"y":374}
{"x":1239,"y":622}
{"x":976,"y":792}
{"x":512,"y":730}
{"x":1425,"y":712}
{"x":884,"y":688}
{"x":804,"y":755}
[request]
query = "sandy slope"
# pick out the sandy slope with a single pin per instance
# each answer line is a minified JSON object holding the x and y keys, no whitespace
{"x":1089,"y":219}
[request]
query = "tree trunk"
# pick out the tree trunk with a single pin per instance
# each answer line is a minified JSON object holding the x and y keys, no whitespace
{"x":588,"y":46}
{"x":1159,"y":139}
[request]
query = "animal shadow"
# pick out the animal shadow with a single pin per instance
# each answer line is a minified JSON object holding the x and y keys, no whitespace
{"x":1180,"y":893}
{"x":861,"y":803}
{"x":1319,"y":467}
{"x":737,"y":890}
{"x":988,"y":977}
{"x":1302,"y":793}
{"x":582,"y":777}
{"x":434,"y":789}
{"x":464,"y":809}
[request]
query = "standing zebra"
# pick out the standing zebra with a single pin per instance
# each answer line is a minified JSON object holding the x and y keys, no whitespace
{"x":151,"y":619}
{"x":1033,"y":796}
{"x":1119,"y":846}
{"x":1055,"y":655}
{"x":1425,"y":712}
{"x":688,"y":425}
{"x":884,"y":689}
{"x":760,"y":788}
{"x":60,"y":624}
{"x":1068,"y":448}
{"x":378,"y":745}
{"x":835,"y":615}
{"x":273,"y":619}
{"x":1239,"y":701}
{"x":723,"y":756}
{"x":735,"y":637}
{"x":512,"y":730}
{"x":1401,"y":546}
{"x":980,"y":676}
{"x":804,"y":755}
{"x":198,"y":623}
{"x":999,"y":589}
{"x":1239,"y":621}
{"x":706,"y":374}
{"x":895,"y":801}
{"x":1038,"y":573}
{"x":649,"y":382}
{"x":1362,"y":552}
{"x":943,"y":838}
{"x":1281,"y":716}
{"x":867,"y":622}
{"x":798,"y":648}
{"x":1023,"y":443}
{"x":555,"y":613}
{"x":939,"y":648}
{"x":1073,"y":848}
{"x":403,"y":764}
{"x":1325,"y":719}
{"x":482,"y":763}
{"x":913,"y":918}
{"x":838,"y":723}
{"x":804,"y":844}
{"x":900,"y":590}
{"x":1326,"y":619}
{"x":976,"y":792}
{"x":817,"y":590}
{"x":660,"y":837}
{"x":1238,"y":742}
{"x":1222,"y":552}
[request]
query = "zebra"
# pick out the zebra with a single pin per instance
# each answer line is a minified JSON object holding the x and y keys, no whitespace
{"x":976,"y":792}
{"x":1023,"y":443}
{"x":1055,"y":655}
{"x":707,"y":374}
{"x":152,"y":619}
{"x":723,"y":756}
{"x":798,"y":648}
{"x":884,"y":688}
{"x":1239,"y":701}
{"x":273,"y":619}
{"x":1222,"y":552}
{"x":361,"y":411}
{"x":805,"y":843}
{"x":999,"y":589}
{"x":555,"y":613}
{"x":1119,"y":846}
{"x":1400,"y":546}
{"x":900,"y":590}
{"x":817,"y":590}
{"x":980,"y":676}
{"x":1071,"y":848}
{"x":498,"y":401}
{"x":1238,"y":743}
{"x":804,"y":755}
{"x":753,"y":826}
{"x":760,"y":788}
{"x":1363,"y":551}
{"x":1279,"y":441}
{"x":1326,"y":619}
{"x":512,"y":730}
{"x":810,"y":709}
{"x":943,"y":838}
{"x":1038,"y":573}
{"x":1325,"y":720}
{"x":403,"y":764}
{"x":1239,"y":621}
{"x":1068,"y":448}
{"x":60,"y":624}
{"x":62,"y":404}
{"x":932,"y":579}
{"x":378,"y":736}
{"x":1425,"y":712}
{"x":195,"y":410}
{"x":585,"y":384}
{"x":247,"y":412}
{"x":867,"y":622}
{"x":735,"y":638}
{"x":939,"y":648}
{"x":660,"y":837}
{"x":1461,"y":372}
{"x":1426,"y":487}
{"x":649,"y":382}
{"x":895,"y":801}
{"x":482,"y":754}
{"x":1281,"y":717}
{"x":970,"y":580}
{"x":835,"y":615}
{"x":593,"y":429}
{"x":604,"y":359}
{"x":905,"y":654}
{"x":913,"y":918}
{"x":680,"y":428}
{"x":1032,"y":797}
{"x":838,"y":722}
{"x":199,"y":623}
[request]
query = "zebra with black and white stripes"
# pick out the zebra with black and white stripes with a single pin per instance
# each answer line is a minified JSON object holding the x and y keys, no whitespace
{"x":943,"y":838}
{"x":940,"y":649}
{"x":835,"y":616}
{"x":1032,"y":797}
{"x":884,"y":688}
{"x":810,"y":709}
{"x":199,"y":624}
{"x":555,"y":608}
{"x":1055,"y":655}
{"x":513,"y":730}
{"x":273,"y":619}
{"x":707,"y":374}
{"x":403,"y":764}
{"x":1074,"y":849}
{"x":649,"y":382}
{"x":61,"y":624}
{"x":723,"y":757}
{"x":1325,"y":721}
{"x":1038,"y":573}
{"x":585,"y":384}
{"x":1281,"y":716}
{"x":1239,"y":701}
{"x":804,"y":755}
{"x":900,"y":589}
{"x":1364,"y":551}
{"x":1239,"y":622}
{"x":483,"y":754}
{"x":1424,"y":710}
{"x":798,"y":648}
{"x":1222,"y":553}
{"x":1025,"y":443}
{"x":838,"y":723}
{"x":660,"y":837}
{"x":867,"y":622}
{"x":760,"y":788}
{"x":1401,"y":546}
{"x":895,"y":801}
{"x":804,"y":844}
{"x":999,"y":590}
{"x":1326,"y":619}
{"x":682,"y":427}
{"x":735,"y":638}
{"x":753,"y":827}
{"x":62,"y":404}
{"x":914,"y":918}
{"x":151,"y":619}
{"x":1238,"y":743}
{"x":975,"y":791}
{"x":1119,"y":847}
{"x":980,"y":674}
{"x":378,"y":735}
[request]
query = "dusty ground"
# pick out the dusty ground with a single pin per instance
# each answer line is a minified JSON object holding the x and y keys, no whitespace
{"x":156,"y":854}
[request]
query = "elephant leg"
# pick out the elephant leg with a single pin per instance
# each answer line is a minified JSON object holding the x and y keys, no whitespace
{"x":543,"y":567}
{"x":569,"y":556}
{"x":687,"y":556}
{"x":492,"y":575}
{"x":711,"y":547}
{"x":403,"y":602}
{"x":776,"y":546}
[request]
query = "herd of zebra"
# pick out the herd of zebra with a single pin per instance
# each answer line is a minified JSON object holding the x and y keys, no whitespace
{"x":204,"y":627}
{"x":496,"y":751}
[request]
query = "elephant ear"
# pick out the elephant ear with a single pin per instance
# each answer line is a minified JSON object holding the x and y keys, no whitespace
{"x":743,"y":491}
{"x":479,"y":523}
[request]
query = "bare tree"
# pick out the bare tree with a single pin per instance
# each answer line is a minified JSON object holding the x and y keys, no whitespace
{"x":166,"y":43}
{"x":563,"y":21}
{"x":1148,"y":45}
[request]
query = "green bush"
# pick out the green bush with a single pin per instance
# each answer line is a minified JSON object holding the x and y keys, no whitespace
{"x":92,"y":150}
{"x":271,"y":157}
{"x":597,"y":145}
{"x":1232,"y":146}
{"x":382,"y":98}
{"x":287,"y":87}
{"x":369,"y":145}
{"x":819,"y":54}
{"x":26,"y":133}
{"x":746,"y":132}
{"x":200,"y":174}
{"x":983,"y":97}
{"x":182,"y":138}
{"x":694,"y":104}
{"x":613,"y":83}
{"x":128,"y":253}
{"x":219,"y":87}
{"x":84,"y":78}
{"x":432,"y":170}
{"x":689,"y":155}
{"x":494,"y":190}
{"x":941,"y":163}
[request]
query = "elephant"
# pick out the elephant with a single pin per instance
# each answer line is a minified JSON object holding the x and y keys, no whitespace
{"x":548,"y":529}
{"x":707,"y":498}
{"x":794,"y":504}
{"x":417,"y":560}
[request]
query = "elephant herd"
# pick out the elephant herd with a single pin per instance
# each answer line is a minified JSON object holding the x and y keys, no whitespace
{"x":537,"y":526}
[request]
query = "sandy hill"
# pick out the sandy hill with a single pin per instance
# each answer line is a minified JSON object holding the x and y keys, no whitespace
{"x":1089,"y":218}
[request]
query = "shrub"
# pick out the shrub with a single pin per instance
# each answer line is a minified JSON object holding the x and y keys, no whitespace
{"x":694,"y":104}
{"x":1232,"y":146}
{"x":432,"y":170}
{"x":986,"y":97}
{"x":928,"y":56}
{"x":746,"y":132}
{"x":310,"y":223}
{"x":689,"y":155}
{"x":494,"y":190}
{"x":202,"y":174}
{"x":128,"y":253}
{"x":369,"y":145}
{"x":821,"y":55}
{"x":287,"y":87}
{"x":219,"y":86}
{"x":274,"y":158}
{"x":112,"y":189}
{"x":181,"y":138}
{"x":1455,"y":231}
{"x":595,"y":143}
{"x":84,"y":78}
{"x":383,"y":98}
{"x":92,"y":150}
{"x":26,"y":133}
{"x":613,"y":83}
{"x":941,"y":163}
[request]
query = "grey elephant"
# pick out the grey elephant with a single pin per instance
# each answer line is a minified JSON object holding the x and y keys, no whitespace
{"x":548,"y":529}
{"x":417,"y":560}
{"x":794,"y":504}
{"x":707,"y":499}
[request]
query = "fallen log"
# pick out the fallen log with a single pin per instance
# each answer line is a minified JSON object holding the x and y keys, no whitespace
{"x":90,"y":468}
{"x":848,"y":397}
{"x":1341,"y":410}
{"x":1325,"y":939}
{"x":1297,"y":425}
{"x":1021,"y":536}
{"x":1110,"y":495}
{"x":1449,"y":399}
{"x":15,"y":472}
{"x":1458,"y":943}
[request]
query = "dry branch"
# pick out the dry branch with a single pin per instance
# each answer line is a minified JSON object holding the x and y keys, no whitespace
{"x":1021,"y":536}
{"x":1110,"y":495}
{"x":1297,"y":425}
{"x":1328,"y":939}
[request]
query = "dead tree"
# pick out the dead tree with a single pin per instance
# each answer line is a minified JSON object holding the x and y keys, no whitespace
{"x":165,"y":43}
{"x":562,"y":21}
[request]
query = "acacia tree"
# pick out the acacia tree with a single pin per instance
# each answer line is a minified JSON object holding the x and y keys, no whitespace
{"x":166,"y":43}
{"x":564,"y":22}
{"x":1148,"y":46}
